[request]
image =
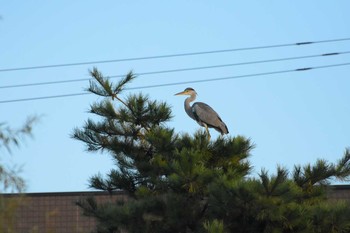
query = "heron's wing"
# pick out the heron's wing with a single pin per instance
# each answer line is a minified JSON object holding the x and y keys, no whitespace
{"x":204,"y":113}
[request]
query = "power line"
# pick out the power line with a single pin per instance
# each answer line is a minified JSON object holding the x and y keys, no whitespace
{"x":185,"y":82}
{"x":172,"y":55}
{"x":240,"y":76}
{"x":181,"y":69}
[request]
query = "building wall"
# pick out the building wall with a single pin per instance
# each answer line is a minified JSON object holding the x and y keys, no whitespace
{"x":53,"y":212}
{"x":339,"y":192}
{"x":58,"y":213}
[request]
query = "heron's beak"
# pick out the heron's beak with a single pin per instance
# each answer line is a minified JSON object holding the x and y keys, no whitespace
{"x":181,"y":93}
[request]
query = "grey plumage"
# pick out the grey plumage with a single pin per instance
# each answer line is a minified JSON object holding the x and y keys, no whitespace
{"x":203,"y":113}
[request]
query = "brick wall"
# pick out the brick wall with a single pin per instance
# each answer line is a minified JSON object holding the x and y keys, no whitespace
{"x":57,"y":212}
{"x":54,"y":212}
{"x":339,"y":192}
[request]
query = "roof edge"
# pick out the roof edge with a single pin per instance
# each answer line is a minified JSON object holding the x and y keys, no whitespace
{"x":73,"y":193}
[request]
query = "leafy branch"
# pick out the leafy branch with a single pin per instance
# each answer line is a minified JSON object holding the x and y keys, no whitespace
{"x":10,"y":136}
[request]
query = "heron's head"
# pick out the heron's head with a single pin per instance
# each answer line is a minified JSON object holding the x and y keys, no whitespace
{"x":187,"y":91}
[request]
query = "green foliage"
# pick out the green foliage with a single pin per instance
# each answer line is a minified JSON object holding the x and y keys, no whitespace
{"x":8,"y":209}
{"x":214,"y":226}
{"x":9,"y":175}
{"x":10,"y":137}
{"x":183,"y":183}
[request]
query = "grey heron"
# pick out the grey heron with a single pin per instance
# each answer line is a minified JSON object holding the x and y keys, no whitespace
{"x":203,"y":113}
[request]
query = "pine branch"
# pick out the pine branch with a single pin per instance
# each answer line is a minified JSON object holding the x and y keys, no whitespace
{"x":121,"y":84}
{"x":298,"y":176}
{"x":271,"y":184}
{"x":106,"y":89}
{"x":104,"y":109}
{"x":322,"y":171}
{"x":103,"y":88}
{"x":281,"y":177}
{"x":97,"y":182}
{"x":343,"y":166}
{"x":89,"y":206}
{"x":123,"y":180}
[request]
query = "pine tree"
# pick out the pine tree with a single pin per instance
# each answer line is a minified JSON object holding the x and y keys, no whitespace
{"x":185,"y":183}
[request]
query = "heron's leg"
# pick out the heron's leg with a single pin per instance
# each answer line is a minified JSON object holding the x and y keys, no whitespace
{"x":206,"y":128}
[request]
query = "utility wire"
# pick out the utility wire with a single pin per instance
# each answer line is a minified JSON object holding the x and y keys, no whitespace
{"x":185,"y":82}
{"x":181,"y":69}
{"x":172,"y":55}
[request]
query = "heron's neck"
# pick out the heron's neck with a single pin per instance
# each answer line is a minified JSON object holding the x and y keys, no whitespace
{"x":188,"y":108}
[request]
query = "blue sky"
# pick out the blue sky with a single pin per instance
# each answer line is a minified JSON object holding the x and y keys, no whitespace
{"x":293,"y":118}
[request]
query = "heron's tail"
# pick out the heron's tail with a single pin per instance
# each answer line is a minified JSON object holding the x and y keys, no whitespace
{"x":223,"y":128}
